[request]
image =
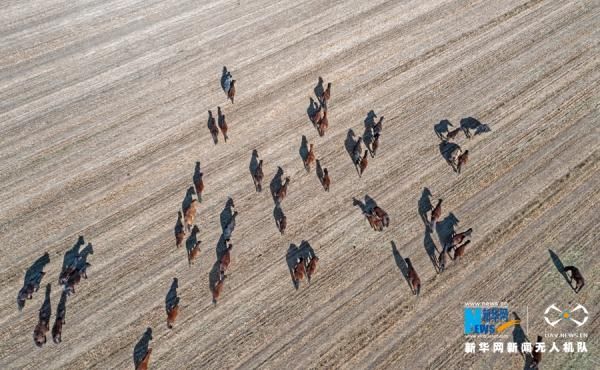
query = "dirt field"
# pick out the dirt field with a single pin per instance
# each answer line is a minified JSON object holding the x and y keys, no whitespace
{"x":103,"y":115}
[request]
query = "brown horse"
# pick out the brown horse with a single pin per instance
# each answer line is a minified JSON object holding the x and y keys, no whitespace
{"x":225,"y":259}
{"x":298,"y":272}
{"x":536,"y":354}
{"x":375,"y":145}
{"x":222,"y":123}
{"x":43,"y":325}
{"x":60,"y":318}
{"x":218,"y":288}
{"x":323,"y":124}
{"x":189,"y":215}
{"x":375,"y":222}
{"x":324,"y":98}
{"x":312,"y":267}
{"x":282,"y":192}
{"x":75,"y":278}
{"x":281,"y":223}
{"x":143,"y":365}
{"x":378,"y":126}
{"x":258,"y":176}
{"x":458,"y":238}
{"x":172,"y":312}
{"x":194,"y":251}
{"x":451,"y":135}
{"x":462,"y":160}
{"x":460,"y":250}
{"x":231,"y":92}
{"x":577,"y":276}
{"x":316,"y":117}
{"x":436,"y":214}
{"x":363,"y":164}
{"x":212,"y":127}
{"x":326,"y":179}
{"x":199,"y":185}
{"x":382,"y":215}
{"x":413,"y":278}
{"x":179,"y":230}
{"x":310,"y":157}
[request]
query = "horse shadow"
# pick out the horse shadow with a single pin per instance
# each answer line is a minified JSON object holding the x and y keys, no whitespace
{"x":349,"y":144}
{"x":306,"y":250}
{"x":441,"y":128}
{"x":191,"y":241}
{"x":72,"y":255}
{"x":559,"y":266}
{"x":357,"y":203}
{"x":171,"y":297}
{"x":197,"y":173}
{"x":33,"y":275}
{"x":319,"y":89}
{"x":226,"y":214}
{"x":46,"y":309}
{"x":253,"y":163}
{"x":400,"y":262}
{"x":370,"y":203}
{"x":276,"y":183}
{"x":83,"y":255}
{"x":431,"y":250}
{"x":187,"y":200}
{"x":303,"y":151}
{"x":319,"y":171}
{"x":446,"y":150}
{"x":470,"y":123}
{"x":369,"y":123}
{"x":141,"y":348}
{"x":519,"y":337}
{"x":445,"y":228}
{"x":424,"y":205}
{"x":224,"y":78}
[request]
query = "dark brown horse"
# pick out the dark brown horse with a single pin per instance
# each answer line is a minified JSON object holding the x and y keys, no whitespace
{"x":382,"y":215}
{"x":375,"y":145}
{"x":60,"y":318}
{"x":326,"y":179}
{"x":451,"y":135}
{"x":458,"y":238}
{"x":536,"y":354}
{"x":218,"y":288}
{"x":312,"y":267}
{"x":199,"y":185}
{"x":298,"y":272}
{"x":281,"y":222}
{"x":413,"y":278}
{"x":179,"y":230}
{"x":212,"y":127}
{"x":193,"y":250}
{"x":378,"y":126}
{"x":258,"y":176}
{"x":375,"y":222}
{"x":462,"y":160}
{"x":575,"y":275}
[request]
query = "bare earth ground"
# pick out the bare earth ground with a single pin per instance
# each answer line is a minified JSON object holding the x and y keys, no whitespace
{"x":103,"y":116}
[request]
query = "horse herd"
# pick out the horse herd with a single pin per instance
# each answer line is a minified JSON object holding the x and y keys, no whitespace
{"x":302,"y":262}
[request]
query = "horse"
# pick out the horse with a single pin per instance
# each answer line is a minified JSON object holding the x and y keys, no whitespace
{"x":225,"y":259}
{"x":222,"y":123}
{"x":462,"y":160}
{"x":281,"y":222}
{"x":326,"y":179}
{"x":218,"y":288}
{"x":61,"y":311}
{"x":575,"y":275}
{"x":378,"y":126}
{"x":375,"y":145}
{"x":258,"y":176}
{"x":363,"y":164}
{"x":230,"y":227}
{"x":312,"y":267}
{"x":212,"y":127}
{"x":193,"y":250}
{"x":172,"y":312}
{"x":282,"y":192}
{"x":460,"y":250}
{"x":413,"y":278}
{"x":143,"y":365}
{"x":324,"y":98}
{"x":231,"y":92}
{"x":179,"y":230}
{"x":536,"y":354}
{"x":189,"y":214}
{"x":375,"y":222}
{"x":298,"y":272}
{"x":323,"y":124}
{"x":199,"y":185}
{"x":456,"y":239}
{"x":310,"y":158}
{"x":356,"y":151}
{"x":451,"y":135}
{"x":382,"y":215}
{"x":436,"y":214}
